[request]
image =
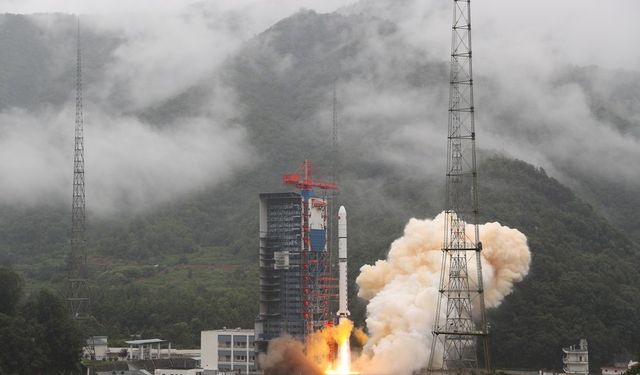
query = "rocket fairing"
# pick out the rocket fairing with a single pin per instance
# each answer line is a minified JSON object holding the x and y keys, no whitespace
{"x":343,"y":311}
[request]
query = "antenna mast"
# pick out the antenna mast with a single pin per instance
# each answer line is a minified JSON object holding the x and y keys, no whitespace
{"x":334,"y":138}
{"x":463,"y":325}
{"x":78,"y":290}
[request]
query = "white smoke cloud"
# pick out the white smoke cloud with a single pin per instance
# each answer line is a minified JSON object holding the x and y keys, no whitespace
{"x":403,"y":289}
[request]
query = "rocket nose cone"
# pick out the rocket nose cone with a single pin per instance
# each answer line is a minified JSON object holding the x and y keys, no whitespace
{"x":342,"y":211}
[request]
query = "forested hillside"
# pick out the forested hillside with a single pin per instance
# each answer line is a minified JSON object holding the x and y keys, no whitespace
{"x":191,"y":263}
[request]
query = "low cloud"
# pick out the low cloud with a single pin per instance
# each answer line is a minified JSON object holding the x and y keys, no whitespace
{"x":130,"y":165}
{"x":142,"y":148}
{"x":538,"y":95}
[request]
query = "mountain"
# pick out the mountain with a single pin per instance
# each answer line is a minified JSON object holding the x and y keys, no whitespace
{"x":200,"y":248}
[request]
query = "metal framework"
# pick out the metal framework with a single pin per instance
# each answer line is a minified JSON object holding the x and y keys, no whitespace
{"x":462,"y":326}
{"x":334,"y":138}
{"x":315,"y":277}
{"x":280,"y":268}
{"x":77,"y":289}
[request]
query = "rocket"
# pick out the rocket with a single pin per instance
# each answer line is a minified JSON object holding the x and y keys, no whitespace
{"x":343,"y":311}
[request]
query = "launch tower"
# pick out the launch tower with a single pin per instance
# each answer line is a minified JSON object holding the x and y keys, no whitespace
{"x":461,"y":324}
{"x":295,"y":285}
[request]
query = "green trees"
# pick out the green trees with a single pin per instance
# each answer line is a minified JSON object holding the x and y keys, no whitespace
{"x":635,"y":370}
{"x":38,"y":336}
{"x":10,"y":290}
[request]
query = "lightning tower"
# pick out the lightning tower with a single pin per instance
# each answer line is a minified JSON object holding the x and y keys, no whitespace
{"x":77,"y":288}
{"x":332,"y":209}
{"x":461,"y":327}
{"x":334,"y":138}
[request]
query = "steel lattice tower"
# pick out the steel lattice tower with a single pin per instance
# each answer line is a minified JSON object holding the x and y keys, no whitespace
{"x":334,"y":137}
{"x":462,"y":326}
{"x":77,"y":288}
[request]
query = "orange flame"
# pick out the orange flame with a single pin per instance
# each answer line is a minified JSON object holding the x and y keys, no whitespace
{"x":341,"y":335}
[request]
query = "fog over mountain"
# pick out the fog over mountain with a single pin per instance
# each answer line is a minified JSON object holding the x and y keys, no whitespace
{"x":534,"y":101}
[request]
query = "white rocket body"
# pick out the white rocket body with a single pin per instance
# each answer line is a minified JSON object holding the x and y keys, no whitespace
{"x":343,"y":311}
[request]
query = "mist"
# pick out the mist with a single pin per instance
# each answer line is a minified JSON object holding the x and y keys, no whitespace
{"x":535,"y":97}
{"x":558,"y":94}
{"x":142,"y":149}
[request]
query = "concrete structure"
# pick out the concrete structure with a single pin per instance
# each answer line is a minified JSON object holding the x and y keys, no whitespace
{"x":115,"y":353}
{"x":96,"y":346}
{"x":228,"y":350}
{"x":111,"y":368}
{"x":612,"y":370}
{"x":178,"y":372}
{"x":147,"y":349}
{"x":620,"y":365}
{"x":576,"y":359}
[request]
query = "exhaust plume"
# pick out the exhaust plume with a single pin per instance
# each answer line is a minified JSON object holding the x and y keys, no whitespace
{"x":287,"y":355}
{"x":402,"y":291}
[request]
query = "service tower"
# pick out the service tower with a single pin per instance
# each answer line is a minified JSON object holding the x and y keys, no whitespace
{"x":295,"y":286}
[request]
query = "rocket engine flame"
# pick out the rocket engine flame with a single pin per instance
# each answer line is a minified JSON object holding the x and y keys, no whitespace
{"x":342,"y":365}
{"x":287,"y":355}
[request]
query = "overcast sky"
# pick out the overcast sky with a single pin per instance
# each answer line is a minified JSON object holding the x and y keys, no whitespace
{"x":602,"y":32}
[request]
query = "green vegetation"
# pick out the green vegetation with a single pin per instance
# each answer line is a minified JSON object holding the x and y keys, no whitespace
{"x":635,"y":370}
{"x":38,"y":336}
{"x":177,"y":298}
{"x":582,"y":283}
{"x":583,"y":279}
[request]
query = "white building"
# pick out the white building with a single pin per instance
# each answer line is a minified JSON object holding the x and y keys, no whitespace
{"x":576,"y":359}
{"x":228,"y":350}
{"x":612,"y":370}
{"x":147,"y":349}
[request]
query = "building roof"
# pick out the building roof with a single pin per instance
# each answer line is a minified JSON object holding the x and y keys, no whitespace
{"x":231,"y":331}
{"x":573,"y":349}
{"x":146,"y":341}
